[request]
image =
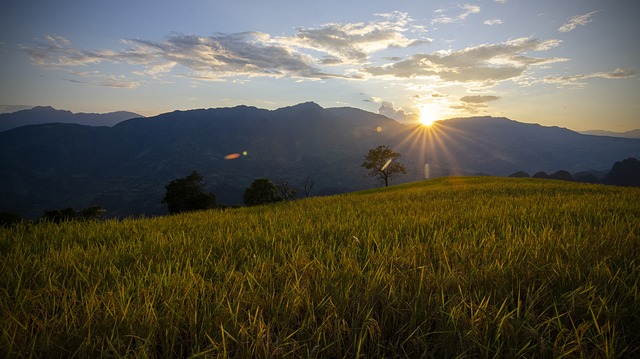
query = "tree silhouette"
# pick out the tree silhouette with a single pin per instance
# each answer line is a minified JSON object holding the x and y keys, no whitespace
{"x":92,"y":213}
{"x":59,"y":215}
{"x":561,"y":175}
{"x":383,"y":163}
{"x":541,"y":174}
{"x":187,"y":194}
{"x":286,"y":190}
{"x":9,"y":219}
{"x":624,"y":173}
{"x":307,"y":185}
{"x":585,"y":177}
{"x":519,"y":174}
{"x":261,"y":191}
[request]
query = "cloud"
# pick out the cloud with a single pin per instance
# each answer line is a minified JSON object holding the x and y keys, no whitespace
{"x":501,"y":1}
{"x":388,"y":109}
{"x":493,"y":22}
{"x":353,"y":42}
{"x":226,"y":55}
{"x":467,"y":9}
{"x":619,"y":73}
{"x":212,"y":57}
{"x":479,"y":98}
{"x":95,"y":78}
{"x":57,"y":51}
{"x":576,"y":21}
{"x":469,"y":108}
{"x":486,"y":64}
{"x":474,"y":104}
{"x":246,"y":54}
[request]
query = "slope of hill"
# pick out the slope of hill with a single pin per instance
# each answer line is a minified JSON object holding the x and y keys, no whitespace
{"x":125,"y":168}
{"x":446,"y":268}
{"x":45,"y":114}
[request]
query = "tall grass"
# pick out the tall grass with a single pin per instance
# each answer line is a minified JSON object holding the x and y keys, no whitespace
{"x":454,"y":267}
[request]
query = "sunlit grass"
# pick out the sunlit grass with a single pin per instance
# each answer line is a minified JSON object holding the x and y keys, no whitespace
{"x":471,"y":267}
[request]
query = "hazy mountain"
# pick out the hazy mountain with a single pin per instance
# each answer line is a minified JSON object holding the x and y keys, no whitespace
{"x":124,"y":168}
{"x":500,"y":146}
{"x":45,"y":114}
{"x":629,"y":134}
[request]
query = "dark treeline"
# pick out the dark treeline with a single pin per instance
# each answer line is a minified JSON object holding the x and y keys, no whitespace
{"x":185,"y":194}
{"x":188,"y":194}
{"x":623,"y":173}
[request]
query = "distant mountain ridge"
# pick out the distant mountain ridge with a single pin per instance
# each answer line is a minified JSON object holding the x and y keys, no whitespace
{"x":628,"y":134}
{"x":125,"y":168}
{"x":47,"y":114}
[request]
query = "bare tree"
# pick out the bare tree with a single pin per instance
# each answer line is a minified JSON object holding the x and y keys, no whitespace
{"x":307,"y":185}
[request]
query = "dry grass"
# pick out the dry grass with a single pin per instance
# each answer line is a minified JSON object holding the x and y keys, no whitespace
{"x":455,"y":267}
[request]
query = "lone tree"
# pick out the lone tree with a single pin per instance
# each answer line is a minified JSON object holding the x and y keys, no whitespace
{"x":382,"y":163}
{"x":307,"y":184}
{"x":261,"y":191}
{"x":187,"y":194}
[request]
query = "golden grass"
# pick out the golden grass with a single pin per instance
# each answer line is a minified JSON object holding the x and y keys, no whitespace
{"x":454,"y":267}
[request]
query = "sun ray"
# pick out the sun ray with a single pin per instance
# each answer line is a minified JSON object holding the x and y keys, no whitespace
{"x":434,"y":145}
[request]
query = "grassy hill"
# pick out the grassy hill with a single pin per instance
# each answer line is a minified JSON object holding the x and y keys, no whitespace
{"x":479,"y":267}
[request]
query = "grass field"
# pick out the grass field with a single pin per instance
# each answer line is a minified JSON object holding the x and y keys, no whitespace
{"x":455,"y":267}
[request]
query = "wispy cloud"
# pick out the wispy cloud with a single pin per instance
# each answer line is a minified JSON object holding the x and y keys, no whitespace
{"x":463,"y":12}
{"x":492,"y":22}
{"x":486,"y":64}
{"x":336,"y":50}
{"x":479,"y":98}
{"x":222,"y":55}
{"x":474,"y":104}
{"x":248,"y":54}
{"x":577,"y":80}
{"x":576,"y":21}
{"x":56,"y":51}
{"x":101,"y":80}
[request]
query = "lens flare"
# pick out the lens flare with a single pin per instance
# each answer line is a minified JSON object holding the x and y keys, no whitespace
{"x":384,"y":167}
{"x":232,"y":156}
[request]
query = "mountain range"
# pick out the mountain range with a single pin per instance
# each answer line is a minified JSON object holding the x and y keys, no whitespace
{"x":628,"y":134}
{"x":46,"y":114}
{"x":125,"y":168}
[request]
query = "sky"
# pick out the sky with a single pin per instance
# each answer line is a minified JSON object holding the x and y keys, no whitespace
{"x":567,"y":63}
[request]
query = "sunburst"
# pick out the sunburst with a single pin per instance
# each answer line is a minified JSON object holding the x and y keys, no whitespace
{"x":428,"y":115}
{"x":431,"y":146}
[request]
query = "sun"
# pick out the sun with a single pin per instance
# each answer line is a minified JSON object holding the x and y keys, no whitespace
{"x":428,"y":115}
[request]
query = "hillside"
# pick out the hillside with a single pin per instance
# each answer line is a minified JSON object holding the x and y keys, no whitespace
{"x":124,"y":168}
{"x":474,"y":267}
